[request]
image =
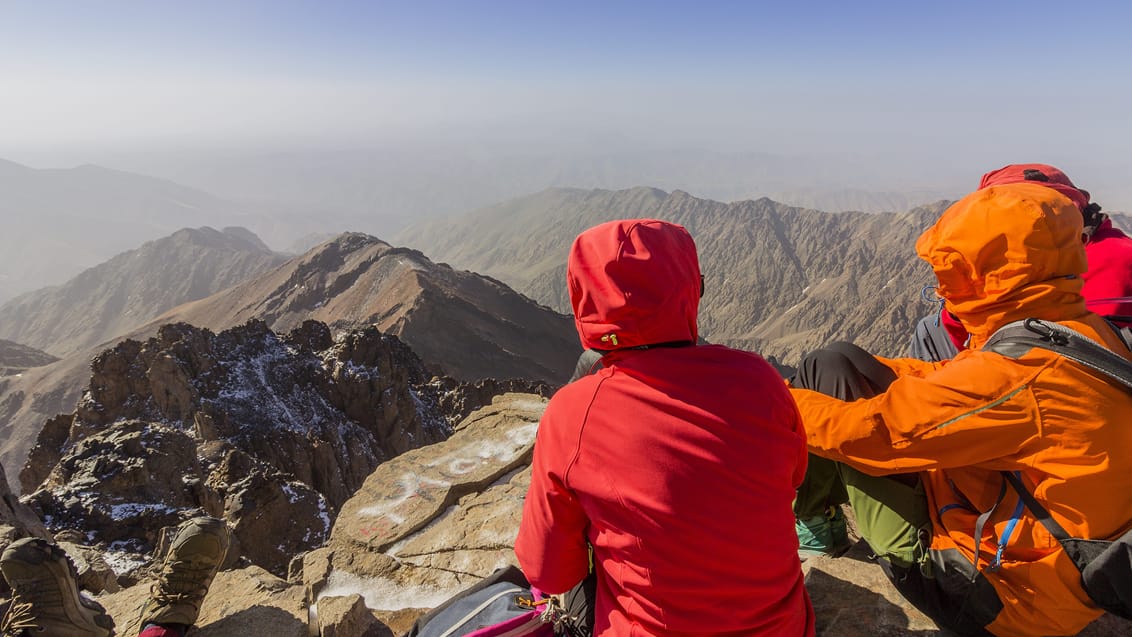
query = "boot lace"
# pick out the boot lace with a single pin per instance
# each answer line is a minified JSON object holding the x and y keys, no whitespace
{"x":31,"y":596}
{"x":182,"y":581}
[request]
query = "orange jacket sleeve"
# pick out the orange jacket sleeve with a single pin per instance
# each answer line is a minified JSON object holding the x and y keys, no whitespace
{"x":976,"y":408}
{"x":910,"y":366}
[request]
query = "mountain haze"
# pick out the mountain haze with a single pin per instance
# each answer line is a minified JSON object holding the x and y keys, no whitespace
{"x":54,"y":223}
{"x":780,"y":280}
{"x":114,"y":297}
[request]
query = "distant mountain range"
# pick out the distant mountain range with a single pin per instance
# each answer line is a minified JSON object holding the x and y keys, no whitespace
{"x":114,"y":297}
{"x":780,"y":280}
{"x":381,"y":190}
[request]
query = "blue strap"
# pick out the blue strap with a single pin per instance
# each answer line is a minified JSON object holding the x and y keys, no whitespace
{"x":980,"y":523}
{"x":1008,"y":531}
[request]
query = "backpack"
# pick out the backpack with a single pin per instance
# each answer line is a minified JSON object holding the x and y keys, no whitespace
{"x":1105,"y":565}
{"x":501,"y":605}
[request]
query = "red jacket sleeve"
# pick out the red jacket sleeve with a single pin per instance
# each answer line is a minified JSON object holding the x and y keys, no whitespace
{"x":551,"y":545}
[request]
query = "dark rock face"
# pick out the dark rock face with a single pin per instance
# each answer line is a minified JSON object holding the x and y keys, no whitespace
{"x":271,"y":432}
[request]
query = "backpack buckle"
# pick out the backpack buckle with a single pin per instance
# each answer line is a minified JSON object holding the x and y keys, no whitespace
{"x":1045,"y":332}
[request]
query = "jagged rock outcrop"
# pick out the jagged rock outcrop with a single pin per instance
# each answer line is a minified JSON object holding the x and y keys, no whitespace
{"x":271,"y":432}
{"x":16,"y":358}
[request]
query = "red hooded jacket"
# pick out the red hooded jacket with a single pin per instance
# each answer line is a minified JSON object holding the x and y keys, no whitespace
{"x":677,"y":463}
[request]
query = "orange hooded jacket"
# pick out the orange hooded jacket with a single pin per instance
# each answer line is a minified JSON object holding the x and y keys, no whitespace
{"x":1002,"y":254}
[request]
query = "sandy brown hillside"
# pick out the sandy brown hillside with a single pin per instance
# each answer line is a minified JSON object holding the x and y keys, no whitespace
{"x":114,"y":297}
{"x":468,"y":325}
{"x":15,"y":358}
{"x":780,"y":280}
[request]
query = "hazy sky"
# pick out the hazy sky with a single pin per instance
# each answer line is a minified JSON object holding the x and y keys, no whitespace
{"x":940,"y":83}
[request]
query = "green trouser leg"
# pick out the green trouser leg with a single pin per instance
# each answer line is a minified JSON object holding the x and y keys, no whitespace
{"x":821,"y":489}
{"x":892,"y":515}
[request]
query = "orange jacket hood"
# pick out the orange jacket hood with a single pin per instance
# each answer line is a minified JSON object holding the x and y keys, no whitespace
{"x":1005,"y":253}
{"x":634,"y":282}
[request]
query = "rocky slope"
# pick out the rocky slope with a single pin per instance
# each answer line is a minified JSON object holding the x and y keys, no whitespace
{"x":117,"y":296}
{"x":779,"y":280}
{"x":16,"y":358}
{"x":465,"y":325}
{"x":273,"y":432}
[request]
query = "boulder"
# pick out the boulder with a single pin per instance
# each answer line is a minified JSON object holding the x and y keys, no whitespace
{"x":433,"y":520}
{"x":247,"y":601}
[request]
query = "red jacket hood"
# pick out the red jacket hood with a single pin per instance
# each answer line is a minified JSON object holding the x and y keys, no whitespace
{"x":634,"y":282}
{"x":1054,"y":178}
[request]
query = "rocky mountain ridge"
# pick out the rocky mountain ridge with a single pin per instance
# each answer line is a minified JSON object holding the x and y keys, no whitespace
{"x":779,"y":280}
{"x":461,"y":324}
{"x":467,"y":325}
{"x":59,"y":222}
{"x":114,"y":297}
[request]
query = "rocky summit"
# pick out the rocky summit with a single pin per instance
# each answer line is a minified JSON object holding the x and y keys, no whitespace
{"x":273,"y":432}
{"x":440,"y":517}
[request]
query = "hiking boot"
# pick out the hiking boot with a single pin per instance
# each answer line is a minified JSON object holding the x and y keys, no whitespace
{"x":826,"y":534}
{"x":45,"y":598}
{"x":195,"y":554}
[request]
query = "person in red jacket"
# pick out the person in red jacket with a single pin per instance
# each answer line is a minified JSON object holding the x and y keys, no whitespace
{"x":1107,"y":283}
{"x":676,"y":462}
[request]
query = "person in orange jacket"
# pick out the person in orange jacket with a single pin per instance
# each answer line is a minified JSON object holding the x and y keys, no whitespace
{"x":1107,"y":284}
{"x":919,"y":447}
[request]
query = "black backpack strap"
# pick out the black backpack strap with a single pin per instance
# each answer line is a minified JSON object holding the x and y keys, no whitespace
{"x":1040,"y":513}
{"x":1015,"y":339}
{"x":980,"y":524}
